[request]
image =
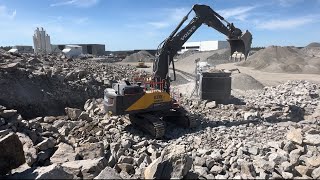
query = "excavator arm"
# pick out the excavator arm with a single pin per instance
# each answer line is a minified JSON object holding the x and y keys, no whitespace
{"x":204,"y":15}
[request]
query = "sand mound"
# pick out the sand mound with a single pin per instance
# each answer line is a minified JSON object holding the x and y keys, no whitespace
{"x":282,"y":59}
{"x":141,"y":55}
{"x":244,"y":82}
{"x":313,"y":44}
{"x":186,"y":54}
{"x":219,"y":57}
{"x":213,"y":57}
{"x":311,"y":51}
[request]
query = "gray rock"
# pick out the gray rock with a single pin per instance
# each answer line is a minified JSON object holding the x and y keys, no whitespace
{"x":247,"y":170}
{"x":277,"y":158}
{"x":108,"y":173}
{"x":199,"y":161}
{"x":251,"y":115}
{"x":289,"y":146}
{"x":173,"y":163}
{"x":295,"y":135}
{"x":201,"y":171}
{"x":43,"y":156}
{"x":316,"y":173}
{"x":216,"y":170}
{"x":263,"y":164}
{"x":28,"y":148}
{"x":2,"y":121}
{"x":90,"y":150}
{"x":294,"y":156}
{"x":128,"y":168}
{"x":64,"y":153}
{"x":88,"y":168}
{"x":126,"y":159}
{"x":54,"y":171}
{"x":253,"y":150}
{"x":312,"y":139}
{"x":12,"y":155}
{"x":287,"y":175}
{"x":126,"y":143}
{"x":85,"y":116}
{"x":8,"y":113}
{"x":286,"y":166}
{"x":46,"y":144}
{"x":313,"y":161}
{"x":302,"y":170}
{"x":211,"y":105}
{"x":73,"y":113}
{"x":49,"y":119}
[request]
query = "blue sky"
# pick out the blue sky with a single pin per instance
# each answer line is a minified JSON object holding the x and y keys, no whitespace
{"x":143,"y":24}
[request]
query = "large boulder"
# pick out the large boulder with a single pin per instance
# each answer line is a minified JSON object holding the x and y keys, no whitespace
{"x":172,"y":163}
{"x":90,"y":150}
{"x":73,"y":113}
{"x":295,"y":135}
{"x":108,"y":173}
{"x":88,"y":169}
{"x":54,"y":171}
{"x":12,"y":154}
{"x":29,"y":151}
{"x":64,"y":153}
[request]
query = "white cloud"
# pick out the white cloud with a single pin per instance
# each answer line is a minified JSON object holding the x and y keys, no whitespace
{"x":159,"y":25}
{"x":77,"y":3}
{"x":239,"y":13}
{"x":287,"y":3}
{"x":170,"y":17}
{"x":81,"y":20}
{"x":4,"y":12}
{"x":287,"y":23}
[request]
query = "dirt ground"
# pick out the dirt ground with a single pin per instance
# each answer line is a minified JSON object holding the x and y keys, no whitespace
{"x":266,"y":78}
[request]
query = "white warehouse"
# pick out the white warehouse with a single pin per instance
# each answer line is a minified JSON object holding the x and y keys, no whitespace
{"x":204,"y":46}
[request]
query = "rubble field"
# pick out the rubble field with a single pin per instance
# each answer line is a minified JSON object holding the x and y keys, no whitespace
{"x":53,"y":125}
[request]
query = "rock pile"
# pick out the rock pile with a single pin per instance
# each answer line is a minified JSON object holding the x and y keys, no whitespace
{"x":267,"y":133}
{"x":282,"y":59}
{"x":313,"y":50}
{"x":39,"y":86}
{"x":244,"y":82}
{"x":141,"y":55}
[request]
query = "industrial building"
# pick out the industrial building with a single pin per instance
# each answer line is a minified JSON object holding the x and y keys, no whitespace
{"x":72,"y":51}
{"x":21,"y":49}
{"x":204,"y":46}
{"x":41,"y":41}
{"x":94,"y":49}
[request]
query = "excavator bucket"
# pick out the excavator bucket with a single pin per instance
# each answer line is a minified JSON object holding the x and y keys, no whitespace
{"x":242,"y":45}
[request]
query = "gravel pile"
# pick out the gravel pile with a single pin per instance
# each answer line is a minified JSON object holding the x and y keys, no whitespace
{"x":244,"y":82}
{"x":282,"y":59}
{"x":312,"y":49}
{"x":271,"y":132}
{"x":141,"y":55}
{"x":268,"y":133}
{"x":313,"y":44}
{"x":38,"y":86}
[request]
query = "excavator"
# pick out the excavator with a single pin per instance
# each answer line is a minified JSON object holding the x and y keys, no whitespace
{"x":150,"y":104}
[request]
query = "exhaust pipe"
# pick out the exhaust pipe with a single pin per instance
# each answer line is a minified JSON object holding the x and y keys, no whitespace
{"x":242,"y":45}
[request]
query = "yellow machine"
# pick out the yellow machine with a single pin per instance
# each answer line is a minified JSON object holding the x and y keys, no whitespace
{"x":150,"y":103}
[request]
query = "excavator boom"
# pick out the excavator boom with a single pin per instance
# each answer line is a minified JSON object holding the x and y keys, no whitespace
{"x":240,"y":42}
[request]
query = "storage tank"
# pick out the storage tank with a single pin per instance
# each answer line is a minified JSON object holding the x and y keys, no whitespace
{"x":215,"y":86}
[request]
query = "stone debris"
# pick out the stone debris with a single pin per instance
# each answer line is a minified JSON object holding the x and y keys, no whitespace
{"x":284,"y":59}
{"x":271,"y":132}
{"x":12,"y":155}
